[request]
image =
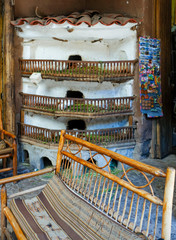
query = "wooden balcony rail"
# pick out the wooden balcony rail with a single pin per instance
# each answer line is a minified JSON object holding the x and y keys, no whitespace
{"x":82,"y":106}
{"x":101,"y":136}
{"x":79,"y":70}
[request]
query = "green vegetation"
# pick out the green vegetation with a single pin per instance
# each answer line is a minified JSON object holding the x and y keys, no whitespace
{"x":81,"y":107}
{"x":85,"y":70}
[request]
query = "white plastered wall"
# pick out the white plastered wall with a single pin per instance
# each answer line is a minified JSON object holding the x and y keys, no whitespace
{"x":45,"y":42}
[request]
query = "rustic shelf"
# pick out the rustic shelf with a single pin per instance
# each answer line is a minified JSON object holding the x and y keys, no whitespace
{"x":100,"y":136}
{"x":77,"y":107}
{"x":79,"y":70}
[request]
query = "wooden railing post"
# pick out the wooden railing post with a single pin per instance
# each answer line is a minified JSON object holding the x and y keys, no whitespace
{"x":59,"y":154}
{"x":3,"y":218}
{"x":167,"y":204}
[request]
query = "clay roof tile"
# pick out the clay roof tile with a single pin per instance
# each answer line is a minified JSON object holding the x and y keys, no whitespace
{"x":90,"y":17}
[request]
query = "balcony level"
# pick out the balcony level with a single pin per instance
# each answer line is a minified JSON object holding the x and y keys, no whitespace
{"x":105,"y":137}
{"x":77,"y":107}
{"x":93,"y":71}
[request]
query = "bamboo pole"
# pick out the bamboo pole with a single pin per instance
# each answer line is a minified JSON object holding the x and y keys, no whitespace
{"x":14,"y":224}
{"x":167,"y":203}
{"x":131,"y":162}
{"x":116,"y":179}
{"x":26,"y":175}
{"x":59,"y":154}
{"x":3,"y":205}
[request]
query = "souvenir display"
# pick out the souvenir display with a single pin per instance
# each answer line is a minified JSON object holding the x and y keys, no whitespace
{"x":150,"y":78}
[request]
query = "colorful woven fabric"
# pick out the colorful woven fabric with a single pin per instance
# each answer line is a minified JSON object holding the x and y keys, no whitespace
{"x":58,"y":213}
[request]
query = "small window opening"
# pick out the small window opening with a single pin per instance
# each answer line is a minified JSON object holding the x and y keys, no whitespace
{"x":45,"y":162}
{"x":25,"y":156}
{"x":74,"y":58}
{"x":74,"y":94}
{"x":76,"y":124}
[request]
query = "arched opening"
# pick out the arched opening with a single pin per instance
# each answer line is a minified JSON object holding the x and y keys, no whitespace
{"x":25,"y":156}
{"x":74,"y":94}
{"x":73,"y":58}
{"x":76,"y":124}
{"x":45,"y":162}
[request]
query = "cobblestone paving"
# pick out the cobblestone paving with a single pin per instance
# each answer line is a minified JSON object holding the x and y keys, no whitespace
{"x":158,"y":184}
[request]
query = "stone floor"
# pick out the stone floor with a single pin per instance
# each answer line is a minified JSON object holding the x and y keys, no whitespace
{"x":37,"y":181}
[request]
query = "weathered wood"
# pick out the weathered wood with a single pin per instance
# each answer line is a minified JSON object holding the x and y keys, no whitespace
{"x":7,"y":234}
{"x":98,"y":136}
{"x":26,"y":175}
{"x":14,"y":145}
{"x":22,"y":116}
{"x":3,"y":205}
{"x":12,"y":153}
{"x":84,"y":107}
{"x":1,"y":58}
{"x":167,"y":203}
{"x":79,"y":70}
{"x":18,"y":232}
{"x":8,"y":69}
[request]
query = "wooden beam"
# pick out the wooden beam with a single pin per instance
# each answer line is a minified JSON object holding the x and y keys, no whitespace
{"x":8,"y":70}
{"x":26,"y":175}
{"x":1,"y":59}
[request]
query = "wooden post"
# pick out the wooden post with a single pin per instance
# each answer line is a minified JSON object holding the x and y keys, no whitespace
{"x":8,"y":70}
{"x":22,"y":116}
{"x":1,"y":56}
{"x":14,"y":157}
{"x":167,"y":203}
{"x":3,"y":205}
{"x":130,"y":120}
{"x":59,"y":154}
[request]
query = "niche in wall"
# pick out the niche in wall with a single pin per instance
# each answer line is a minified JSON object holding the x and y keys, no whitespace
{"x":76,"y":124}
{"x":74,"y":94}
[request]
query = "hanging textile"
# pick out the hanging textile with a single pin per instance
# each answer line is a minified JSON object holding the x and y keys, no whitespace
{"x":150,"y":79}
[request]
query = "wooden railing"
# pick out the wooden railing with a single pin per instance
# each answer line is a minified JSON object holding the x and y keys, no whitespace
{"x":79,"y":70}
{"x":80,"y":106}
{"x":101,"y":136}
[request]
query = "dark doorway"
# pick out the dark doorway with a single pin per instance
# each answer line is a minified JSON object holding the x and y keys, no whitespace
{"x":74,"y":94}
{"x":45,"y":162}
{"x":76,"y":124}
{"x":26,"y":156}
